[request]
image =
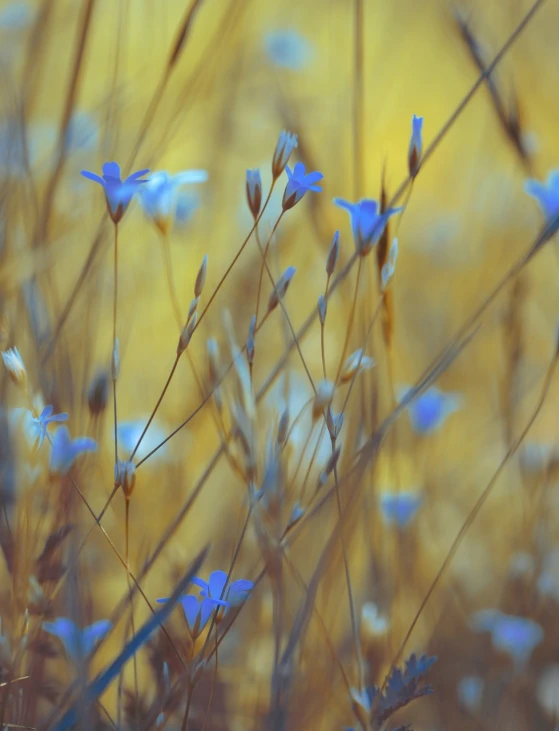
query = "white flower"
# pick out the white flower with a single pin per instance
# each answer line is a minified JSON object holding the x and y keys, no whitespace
{"x":15,"y":366}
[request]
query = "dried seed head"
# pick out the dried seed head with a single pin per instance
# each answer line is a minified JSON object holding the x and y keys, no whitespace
{"x":125,"y":477}
{"x":283,"y":426}
{"x":201,"y":277}
{"x":186,"y":334}
{"x":287,"y":142}
{"x":281,"y":288}
{"x":357,"y":362}
{"x":116,"y":361}
{"x":15,"y":367}
{"x":98,"y":393}
{"x":322,"y":308}
{"x":333,"y":254}
{"x":254,"y":192}
{"x":192,"y":309}
{"x":324,"y":394}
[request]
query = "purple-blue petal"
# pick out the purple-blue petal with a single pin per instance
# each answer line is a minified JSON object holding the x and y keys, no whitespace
{"x":217,"y":582}
{"x":93,"y":176}
{"x":111,"y":170}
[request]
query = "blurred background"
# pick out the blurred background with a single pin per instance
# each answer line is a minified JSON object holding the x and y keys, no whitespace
{"x":177,"y":85}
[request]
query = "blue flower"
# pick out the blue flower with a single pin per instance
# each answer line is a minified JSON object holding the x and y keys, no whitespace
{"x":15,"y":16}
{"x":118,"y":192}
{"x":287,"y":142}
{"x":78,"y":643}
{"x":416,"y":145}
{"x":214,"y":589}
{"x":299,"y":184}
{"x":197,"y":612}
{"x":516,"y":636}
{"x":254,"y":191}
{"x":429,"y":410}
{"x":287,"y":49}
{"x":159,"y":196}
{"x":547,"y":196}
{"x":39,"y":425}
{"x":470,"y":692}
{"x":366,"y":222}
{"x":400,"y":508}
{"x":65,"y":450}
{"x":82,"y":132}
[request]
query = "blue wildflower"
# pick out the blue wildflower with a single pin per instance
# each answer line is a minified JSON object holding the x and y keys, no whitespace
{"x":159,"y":196}
{"x":366,"y":222}
{"x":287,"y":142}
{"x":516,"y":636}
{"x":416,"y":145}
{"x":39,"y":425}
{"x":118,"y":192}
{"x":214,"y":589}
{"x":547,"y":196}
{"x":65,"y":450}
{"x":287,"y":48}
{"x":187,"y":203}
{"x":78,"y":643}
{"x":197,"y":612}
{"x":400,"y":508}
{"x":299,"y":184}
{"x":430,"y":409}
{"x":470,"y":692}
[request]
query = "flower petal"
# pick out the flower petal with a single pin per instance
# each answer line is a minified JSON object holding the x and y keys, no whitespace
{"x":93,"y":176}
{"x":111,"y":170}
{"x":217,"y":582}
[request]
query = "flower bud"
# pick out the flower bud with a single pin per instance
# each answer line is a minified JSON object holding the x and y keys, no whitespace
{"x":281,"y":288}
{"x":186,"y":334}
{"x":356,"y":363}
{"x":416,"y":146}
{"x":286,"y":144}
{"x":15,"y":367}
{"x":201,"y":277}
{"x":333,"y":254}
{"x":323,"y":397}
{"x":254,"y":192}
{"x":125,"y":477}
{"x":322,"y":307}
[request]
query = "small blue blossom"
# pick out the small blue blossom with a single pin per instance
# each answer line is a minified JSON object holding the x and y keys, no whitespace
{"x":214,"y":589}
{"x":65,"y":450}
{"x":118,"y":192}
{"x":366,"y":222}
{"x":159,"y":196}
{"x":470,"y":692}
{"x":429,"y":410}
{"x":400,"y":508}
{"x":78,"y":643}
{"x":38,"y":428}
{"x":82,"y":133}
{"x":547,"y":196}
{"x":416,"y":145}
{"x":287,"y":142}
{"x":197,"y":612}
{"x":286,"y":48}
{"x":299,"y":184}
{"x":516,"y":636}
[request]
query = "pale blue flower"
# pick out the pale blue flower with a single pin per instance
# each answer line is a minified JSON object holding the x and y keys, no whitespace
{"x":299,"y":184}
{"x":78,"y":643}
{"x":367,"y":223}
{"x":16,"y":16}
{"x":516,"y":636}
{"x":129,"y":433}
{"x":287,"y":48}
{"x":197,"y":612}
{"x":416,"y":145}
{"x":430,"y":409}
{"x":470,"y":692}
{"x":547,"y":196}
{"x":400,"y":508}
{"x":159,"y":196}
{"x":187,"y":204}
{"x":214,"y":589}
{"x":38,"y":427}
{"x":82,"y":133}
{"x":118,"y":192}
{"x":66,"y":450}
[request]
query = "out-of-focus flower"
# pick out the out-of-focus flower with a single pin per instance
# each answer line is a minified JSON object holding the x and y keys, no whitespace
{"x":515,"y":636}
{"x":287,"y":48}
{"x":548,"y":580}
{"x":78,"y":643}
{"x":16,"y":16}
{"x":547,"y":196}
{"x":548,"y":691}
{"x":129,"y":433}
{"x":430,"y":409}
{"x":82,"y":133}
{"x":118,"y":192}
{"x":197,"y":612}
{"x":214,"y":589}
{"x":416,"y":145}
{"x":125,"y":477}
{"x":356,"y":363}
{"x":366,"y":222}
{"x":287,"y":142}
{"x":187,"y":203}
{"x":159,"y":195}
{"x":299,"y":184}
{"x":470,"y":692}
{"x":15,"y":366}
{"x":254,"y":191}
{"x":66,"y":450}
{"x":38,"y":428}
{"x":400,"y":508}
